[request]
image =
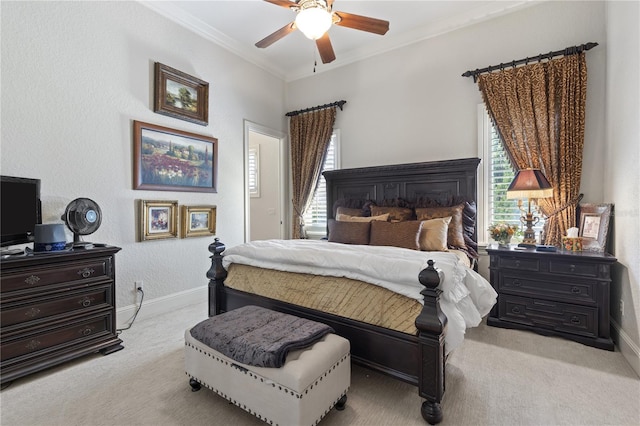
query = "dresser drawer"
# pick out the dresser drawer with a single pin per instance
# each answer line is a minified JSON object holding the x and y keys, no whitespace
{"x":52,"y":339}
{"x":545,"y":314}
{"x":46,"y":308}
{"x":543,"y":286}
{"x":36,"y":278}
{"x":521,"y":264}
{"x":573,"y":268}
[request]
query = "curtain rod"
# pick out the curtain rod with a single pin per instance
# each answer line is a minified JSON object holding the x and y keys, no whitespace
{"x":564,"y":52}
{"x":315,"y":108}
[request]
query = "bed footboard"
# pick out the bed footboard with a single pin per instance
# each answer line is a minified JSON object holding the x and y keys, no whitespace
{"x":418,"y":360}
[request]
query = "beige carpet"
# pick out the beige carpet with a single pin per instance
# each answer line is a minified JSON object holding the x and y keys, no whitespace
{"x":498,"y":377}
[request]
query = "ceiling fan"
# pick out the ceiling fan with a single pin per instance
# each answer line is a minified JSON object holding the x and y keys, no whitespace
{"x":315,"y":17}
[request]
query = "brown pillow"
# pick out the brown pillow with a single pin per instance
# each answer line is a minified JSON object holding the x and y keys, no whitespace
{"x":433,"y":236}
{"x":455,"y":237}
{"x":348,"y":211}
{"x":346,"y":218}
{"x":396,"y":234}
{"x":396,"y":214}
{"x":349,"y":232}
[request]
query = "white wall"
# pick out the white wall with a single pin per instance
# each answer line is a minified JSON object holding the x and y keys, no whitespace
{"x":622,"y":175}
{"x":412,"y":104}
{"x":74,"y":76}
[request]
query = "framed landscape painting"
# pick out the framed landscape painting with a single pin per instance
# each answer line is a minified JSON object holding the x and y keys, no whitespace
{"x":198,"y":221}
{"x":180,"y":95}
{"x":172,"y":160}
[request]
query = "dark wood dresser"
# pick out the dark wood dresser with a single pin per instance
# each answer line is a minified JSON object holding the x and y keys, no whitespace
{"x":559,"y":293}
{"x":55,"y":308}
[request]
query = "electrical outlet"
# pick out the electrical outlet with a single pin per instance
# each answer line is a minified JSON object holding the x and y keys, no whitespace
{"x":138,"y":285}
{"x":621,"y":307}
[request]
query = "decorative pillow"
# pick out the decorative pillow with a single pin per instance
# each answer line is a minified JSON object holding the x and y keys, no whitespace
{"x":397,"y":234}
{"x":455,"y":237}
{"x":347,"y":218}
{"x":349,"y":232}
{"x":433,"y":236}
{"x":396,"y":214}
{"x":349,"y":211}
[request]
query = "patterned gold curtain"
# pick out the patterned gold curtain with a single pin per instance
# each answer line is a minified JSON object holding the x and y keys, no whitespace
{"x":539,"y":111}
{"x":310,"y":137}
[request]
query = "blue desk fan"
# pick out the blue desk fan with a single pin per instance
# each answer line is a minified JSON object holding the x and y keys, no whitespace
{"x":83,"y":217}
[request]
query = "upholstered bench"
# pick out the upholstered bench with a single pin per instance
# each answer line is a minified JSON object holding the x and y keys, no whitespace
{"x":301,"y":392}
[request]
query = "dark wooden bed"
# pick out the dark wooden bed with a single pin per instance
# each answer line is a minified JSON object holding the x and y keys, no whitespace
{"x":416,"y":359}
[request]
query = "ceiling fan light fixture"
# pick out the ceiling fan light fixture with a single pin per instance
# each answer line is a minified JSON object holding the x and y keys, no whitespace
{"x":313,"y":20}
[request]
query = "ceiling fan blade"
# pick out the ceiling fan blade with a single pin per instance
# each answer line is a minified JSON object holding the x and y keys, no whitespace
{"x":325,"y":49}
{"x":284,"y":3}
{"x":277,"y":35}
{"x":362,"y":23}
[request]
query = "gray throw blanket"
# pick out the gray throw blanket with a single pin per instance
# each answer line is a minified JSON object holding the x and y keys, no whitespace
{"x":257,"y":336}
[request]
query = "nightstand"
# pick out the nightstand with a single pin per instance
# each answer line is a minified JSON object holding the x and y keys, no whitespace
{"x":561,"y":293}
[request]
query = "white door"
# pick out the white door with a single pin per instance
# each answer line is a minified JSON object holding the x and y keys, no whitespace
{"x":264,"y":150}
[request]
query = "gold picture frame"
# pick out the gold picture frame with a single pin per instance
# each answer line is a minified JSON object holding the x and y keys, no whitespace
{"x":180,"y":95}
{"x":198,"y":221}
{"x":158,"y":219}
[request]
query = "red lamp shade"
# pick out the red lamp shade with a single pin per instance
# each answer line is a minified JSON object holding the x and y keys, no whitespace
{"x":530,"y":183}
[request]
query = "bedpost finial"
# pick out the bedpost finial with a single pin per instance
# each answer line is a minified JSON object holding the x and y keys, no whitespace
{"x":216,"y":247}
{"x":429,"y":276}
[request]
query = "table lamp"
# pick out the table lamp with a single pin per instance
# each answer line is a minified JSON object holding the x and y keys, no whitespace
{"x":532,"y":185}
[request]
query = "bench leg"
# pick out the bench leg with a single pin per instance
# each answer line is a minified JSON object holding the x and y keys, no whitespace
{"x":195,"y":385}
{"x":342,"y":402}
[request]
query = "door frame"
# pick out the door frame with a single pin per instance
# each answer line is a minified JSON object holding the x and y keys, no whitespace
{"x":250,"y":127}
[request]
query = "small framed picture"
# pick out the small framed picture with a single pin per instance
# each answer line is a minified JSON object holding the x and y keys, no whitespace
{"x":180,"y":95}
{"x":158,"y":219}
{"x":594,"y":226}
{"x":198,"y":221}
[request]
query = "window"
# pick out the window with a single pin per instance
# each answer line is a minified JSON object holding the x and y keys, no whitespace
{"x":496,"y":174}
{"x":254,"y":171}
{"x":315,"y":217}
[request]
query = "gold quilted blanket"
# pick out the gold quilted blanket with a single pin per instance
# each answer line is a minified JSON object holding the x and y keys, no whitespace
{"x":344,"y":297}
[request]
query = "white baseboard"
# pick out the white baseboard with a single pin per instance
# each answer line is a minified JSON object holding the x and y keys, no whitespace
{"x":628,"y":348}
{"x":163,"y":305}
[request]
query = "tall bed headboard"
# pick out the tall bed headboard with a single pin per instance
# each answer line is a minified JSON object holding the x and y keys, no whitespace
{"x":435,"y":180}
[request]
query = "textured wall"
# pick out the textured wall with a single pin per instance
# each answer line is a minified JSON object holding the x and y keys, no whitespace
{"x":74,"y":76}
{"x":622,"y":184}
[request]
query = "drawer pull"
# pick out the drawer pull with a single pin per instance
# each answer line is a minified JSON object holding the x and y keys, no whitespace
{"x":517,"y":283}
{"x":515,"y":310}
{"x":86,"y":331}
{"x":575,"y":290}
{"x":33,"y":345}
{"x":86,"y":272}
{"x":32,"y":312}
{"x":86,"y":301}
{"x":517,"y":263}
{"x":33,"y":279}
{"x":575,"y":320}
{"x":572,"y":268}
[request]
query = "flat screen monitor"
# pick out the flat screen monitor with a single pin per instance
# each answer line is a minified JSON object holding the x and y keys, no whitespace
{"x":20,"y":209}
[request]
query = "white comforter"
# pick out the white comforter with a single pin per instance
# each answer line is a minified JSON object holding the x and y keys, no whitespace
{"x":466,"y":296}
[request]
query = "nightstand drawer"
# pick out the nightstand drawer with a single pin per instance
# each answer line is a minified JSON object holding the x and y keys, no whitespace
{"x":36,"y":279}
{"x":45,"y":308}
{"x":545,"y":314}
{"x":538,"y":286}
{"x":520,"y":264}
{"x":574,"y":268}
{"x":61,"y":337}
